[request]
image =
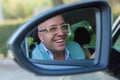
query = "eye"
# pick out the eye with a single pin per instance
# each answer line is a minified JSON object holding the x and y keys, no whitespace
{"x":64,"y":27}
{"x":52,"y":29}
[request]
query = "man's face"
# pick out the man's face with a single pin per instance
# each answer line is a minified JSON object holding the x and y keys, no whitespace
{"x":53,"y":42}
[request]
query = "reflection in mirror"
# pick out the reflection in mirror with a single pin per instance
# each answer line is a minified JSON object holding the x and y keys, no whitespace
{"x":67,"y":36}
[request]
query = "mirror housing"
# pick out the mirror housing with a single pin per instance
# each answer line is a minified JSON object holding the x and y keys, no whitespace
{"x":103,"y":42}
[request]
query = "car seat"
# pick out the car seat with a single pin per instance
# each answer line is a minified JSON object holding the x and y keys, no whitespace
{"x":82,"y":37}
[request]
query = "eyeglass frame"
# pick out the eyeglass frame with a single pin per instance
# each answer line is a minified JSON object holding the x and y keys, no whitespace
{"x":58,"y":27}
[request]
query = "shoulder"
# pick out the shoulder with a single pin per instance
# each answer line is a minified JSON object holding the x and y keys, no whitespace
{"x":36,"y":53}
{"x":72,"y":44}
{"x":76,"y":52}
{"x":36,"y":49}
{"x":39,"y":53}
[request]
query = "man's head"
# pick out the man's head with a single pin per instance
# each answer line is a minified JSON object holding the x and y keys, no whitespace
{"x":53,"y":33}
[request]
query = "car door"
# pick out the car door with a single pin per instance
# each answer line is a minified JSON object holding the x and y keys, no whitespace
{"x":18,"y":41}
{"x":114,"y":63}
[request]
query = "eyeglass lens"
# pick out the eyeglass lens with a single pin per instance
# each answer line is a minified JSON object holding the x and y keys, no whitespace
{"x":63,"y":27}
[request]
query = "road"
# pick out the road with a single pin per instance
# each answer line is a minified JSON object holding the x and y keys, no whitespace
{"x":10,"y":70}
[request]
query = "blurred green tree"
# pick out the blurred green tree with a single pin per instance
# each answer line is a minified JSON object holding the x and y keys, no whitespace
{"x":22,"y":8}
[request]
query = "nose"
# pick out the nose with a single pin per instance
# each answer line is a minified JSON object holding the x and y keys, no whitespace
{"x":60,"y":32}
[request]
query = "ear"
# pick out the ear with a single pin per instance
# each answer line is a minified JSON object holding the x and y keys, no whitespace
{"x":40,"y":36}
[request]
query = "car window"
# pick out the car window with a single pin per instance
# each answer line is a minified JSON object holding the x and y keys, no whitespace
{"x":117,"y":44}
{"x":116,"y":37}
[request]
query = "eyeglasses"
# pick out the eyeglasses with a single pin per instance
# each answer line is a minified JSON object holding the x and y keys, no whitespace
{"x":54,"y":28}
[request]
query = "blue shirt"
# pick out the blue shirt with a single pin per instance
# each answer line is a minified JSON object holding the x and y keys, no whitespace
{"x":48,"y":52}
{"x":72,"y":51}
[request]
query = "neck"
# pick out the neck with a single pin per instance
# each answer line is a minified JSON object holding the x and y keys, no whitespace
{"x":59,"y":55}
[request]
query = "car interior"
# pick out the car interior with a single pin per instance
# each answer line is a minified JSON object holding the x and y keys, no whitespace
{"x":81,"y":36}
{"x":82,"y":31}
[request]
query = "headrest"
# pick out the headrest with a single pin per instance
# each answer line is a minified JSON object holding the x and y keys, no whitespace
{"x":82,"y":36}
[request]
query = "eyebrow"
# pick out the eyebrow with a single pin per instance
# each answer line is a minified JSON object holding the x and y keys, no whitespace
{"x":54,"y":25}
{"x":57,"y":25}
{"x":51,"y":26}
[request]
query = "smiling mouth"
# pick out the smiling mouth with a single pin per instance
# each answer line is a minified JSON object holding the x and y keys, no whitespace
{"x":59,"y":41}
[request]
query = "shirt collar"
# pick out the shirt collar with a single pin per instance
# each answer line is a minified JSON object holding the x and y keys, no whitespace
{"x":67,"y":54}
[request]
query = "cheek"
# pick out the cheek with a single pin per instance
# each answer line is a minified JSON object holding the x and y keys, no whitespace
{"x":45,"y":38}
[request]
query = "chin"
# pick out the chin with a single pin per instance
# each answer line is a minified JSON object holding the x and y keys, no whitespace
{"x":61,"y":49}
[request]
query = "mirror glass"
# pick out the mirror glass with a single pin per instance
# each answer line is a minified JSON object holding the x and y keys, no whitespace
{"x":67,"y":36}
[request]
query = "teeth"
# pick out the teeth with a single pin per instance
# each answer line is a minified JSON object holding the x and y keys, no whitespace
{"x":59,"y":40}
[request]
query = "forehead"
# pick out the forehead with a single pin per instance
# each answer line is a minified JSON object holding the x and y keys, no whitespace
{"x":57,"y":20}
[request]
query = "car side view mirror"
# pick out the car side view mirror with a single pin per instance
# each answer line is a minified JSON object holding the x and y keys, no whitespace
{"x":83,"y":30}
